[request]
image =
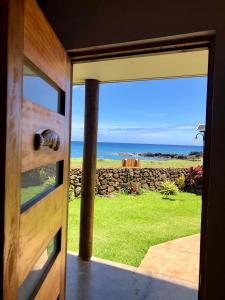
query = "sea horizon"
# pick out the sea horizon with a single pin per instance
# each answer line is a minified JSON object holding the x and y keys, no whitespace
{"x":113,"y":150}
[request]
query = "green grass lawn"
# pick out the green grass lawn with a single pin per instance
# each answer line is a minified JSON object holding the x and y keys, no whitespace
{"x":29,"y":192}
{"x":112,"y":163}
{"x":126,"y":226}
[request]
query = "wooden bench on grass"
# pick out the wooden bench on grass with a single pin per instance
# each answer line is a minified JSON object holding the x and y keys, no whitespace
{"x":131,"y":162}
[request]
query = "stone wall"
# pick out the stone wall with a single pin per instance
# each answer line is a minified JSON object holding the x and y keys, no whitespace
{"x":110,"y":180}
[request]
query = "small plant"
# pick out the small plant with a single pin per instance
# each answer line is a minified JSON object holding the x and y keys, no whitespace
{"x":194,"y":180}
{"x":71,"y":195}
{"x":128,"y":175}
{"x":50,"y":181}
{"x":169,"y":188}
{"x":42,"y":174}
{"x":180,"y":182}
{"x":132,"y":188}
{"x":77,"y":191}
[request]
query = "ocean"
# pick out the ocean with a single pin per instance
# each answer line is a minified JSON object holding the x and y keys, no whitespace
{"x":111,"y":150}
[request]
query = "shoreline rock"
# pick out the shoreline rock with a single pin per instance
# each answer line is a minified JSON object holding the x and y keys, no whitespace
{"x":194,"y":155}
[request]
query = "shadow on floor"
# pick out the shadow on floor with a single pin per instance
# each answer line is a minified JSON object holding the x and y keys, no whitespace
{"x":105,"y":280}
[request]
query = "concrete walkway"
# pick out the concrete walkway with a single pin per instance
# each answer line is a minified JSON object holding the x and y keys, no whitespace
{"x":101,"y":279}
{"x":175,"y":259}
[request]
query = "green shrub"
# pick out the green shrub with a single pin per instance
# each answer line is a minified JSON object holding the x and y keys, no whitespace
{"x":194,"y":180}
{"x":132,"y":188}
{"x":71,"y":195}
{"x":50,"y":181}
{"x":42,"y":174}
{"x":169,"y":188}
{"x":129,"y":176}
{"x":180,"y":182}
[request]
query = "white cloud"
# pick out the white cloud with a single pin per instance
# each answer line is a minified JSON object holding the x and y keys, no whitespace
{"x":78,"y":86}
{"x":165,"y":134}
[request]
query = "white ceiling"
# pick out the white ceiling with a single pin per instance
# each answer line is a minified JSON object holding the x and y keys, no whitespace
{"x":170,"y":65}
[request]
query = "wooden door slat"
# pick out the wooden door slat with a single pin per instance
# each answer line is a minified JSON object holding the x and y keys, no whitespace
{"x":66,"y":169}
{"x":35,"y":117}
{"x":41,"y":45}
{"x":38,"y":225}
{"x":50,"y":288}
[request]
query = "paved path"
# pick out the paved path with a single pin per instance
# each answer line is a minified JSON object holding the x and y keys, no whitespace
{"x":101,"y":279}
{"x":175,"y":259}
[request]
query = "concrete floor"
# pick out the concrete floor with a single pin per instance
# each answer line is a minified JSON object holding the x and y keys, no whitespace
{"x":177,"y":259}
{"x":105,"y":280}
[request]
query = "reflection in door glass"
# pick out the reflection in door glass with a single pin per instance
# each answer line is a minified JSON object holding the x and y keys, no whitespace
{"x":39,"y":91}
{"x":37,"y":182}
{"x":28,"y":287}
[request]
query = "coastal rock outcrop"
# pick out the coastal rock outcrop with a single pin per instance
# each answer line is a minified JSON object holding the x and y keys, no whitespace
{"x":194,"y":155}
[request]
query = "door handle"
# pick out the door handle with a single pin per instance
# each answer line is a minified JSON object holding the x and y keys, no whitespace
{"x":46,"y":138}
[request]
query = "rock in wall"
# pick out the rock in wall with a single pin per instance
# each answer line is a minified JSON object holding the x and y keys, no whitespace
{"x":109,"y":180}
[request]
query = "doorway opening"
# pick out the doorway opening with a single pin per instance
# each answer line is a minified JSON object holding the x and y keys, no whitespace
{"x":195,"y":68}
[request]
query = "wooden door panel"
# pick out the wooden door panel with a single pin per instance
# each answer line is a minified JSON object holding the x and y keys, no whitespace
{"x":36,"y":231}
{"x":35,"y":117}
{"x":47,"y":217}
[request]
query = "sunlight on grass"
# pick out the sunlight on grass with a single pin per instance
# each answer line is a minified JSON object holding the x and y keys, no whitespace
{"x":112,"y":163}
{"x":29,"y":192}
{"x":126,"y":226}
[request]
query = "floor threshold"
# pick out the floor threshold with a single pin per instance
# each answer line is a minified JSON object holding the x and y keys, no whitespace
{"x":101,"y":279}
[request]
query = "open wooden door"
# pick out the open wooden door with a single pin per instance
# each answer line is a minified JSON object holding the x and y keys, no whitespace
{"x":35,"y":122}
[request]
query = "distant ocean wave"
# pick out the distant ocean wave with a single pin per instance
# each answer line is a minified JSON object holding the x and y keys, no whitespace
{"x":112,"y":150}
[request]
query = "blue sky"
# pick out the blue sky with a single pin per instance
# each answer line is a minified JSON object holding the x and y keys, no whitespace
{"x":165,"y":111}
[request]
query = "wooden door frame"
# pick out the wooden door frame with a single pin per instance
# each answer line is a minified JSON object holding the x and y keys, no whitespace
{"x":11,"y":66}
{"x":11,"y":53}
{"x":167,"y":45}
{"x":185,"y":42}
